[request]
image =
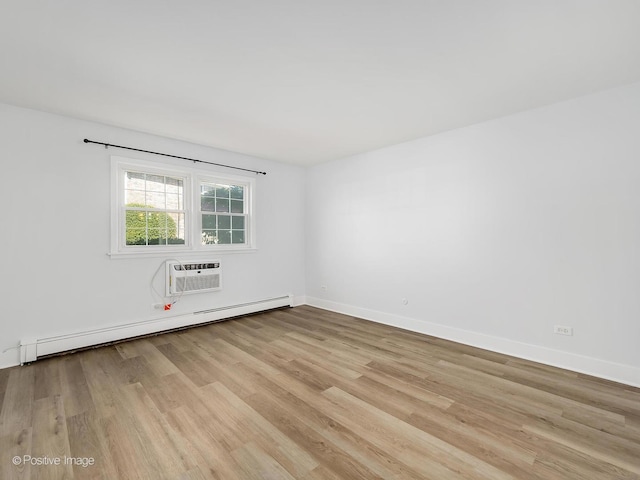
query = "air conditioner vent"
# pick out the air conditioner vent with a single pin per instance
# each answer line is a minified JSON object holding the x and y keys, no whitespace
{"x":195,"y":266}
{"x":197,"y":277}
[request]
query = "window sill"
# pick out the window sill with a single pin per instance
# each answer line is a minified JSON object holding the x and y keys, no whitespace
{"x":180,"y":253}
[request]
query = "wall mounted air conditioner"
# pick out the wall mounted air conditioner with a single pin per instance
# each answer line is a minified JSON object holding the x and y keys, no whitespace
{"x":193,"y":277}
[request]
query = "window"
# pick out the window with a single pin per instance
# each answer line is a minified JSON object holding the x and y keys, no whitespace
{"x":223,"y":213}
{"x":153,"y":209}
{"x":158,"y":209}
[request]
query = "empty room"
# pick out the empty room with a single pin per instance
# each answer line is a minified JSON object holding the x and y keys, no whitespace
{"x":320,"y":240}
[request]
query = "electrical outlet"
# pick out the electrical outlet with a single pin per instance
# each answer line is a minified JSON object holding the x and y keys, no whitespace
{"x":562,"y":330}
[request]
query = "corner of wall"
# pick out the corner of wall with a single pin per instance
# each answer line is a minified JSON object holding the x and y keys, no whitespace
{"x":299,"y":300}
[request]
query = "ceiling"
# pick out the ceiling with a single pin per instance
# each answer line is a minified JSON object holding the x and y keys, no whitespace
{"x":310,"y":81}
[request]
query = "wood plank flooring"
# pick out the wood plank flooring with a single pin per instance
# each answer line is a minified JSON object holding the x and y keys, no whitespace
{"x":308,"y":394}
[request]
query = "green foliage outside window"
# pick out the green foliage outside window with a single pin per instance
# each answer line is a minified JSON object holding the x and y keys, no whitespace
{"x":150,"y":228}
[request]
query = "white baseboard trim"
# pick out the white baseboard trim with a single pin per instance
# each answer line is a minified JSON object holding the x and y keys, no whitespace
{"x":32,"y":349}
{"x":299,"y":300}
{"x":616,"y":372}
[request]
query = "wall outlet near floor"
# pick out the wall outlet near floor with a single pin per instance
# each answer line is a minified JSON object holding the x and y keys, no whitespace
{"x":562,"y":330}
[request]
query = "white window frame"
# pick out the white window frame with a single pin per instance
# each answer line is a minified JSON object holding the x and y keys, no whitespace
{"x":249,"y":190}
{"x":192,"y":178}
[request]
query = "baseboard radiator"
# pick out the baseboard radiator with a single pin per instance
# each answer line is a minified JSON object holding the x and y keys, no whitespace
{"x":33,"y":348}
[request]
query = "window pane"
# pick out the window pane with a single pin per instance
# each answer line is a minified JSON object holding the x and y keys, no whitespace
{"x":237,"y":192}
{"x":174,"y":185}
{"x":208,"y":204}
{"x":237,"y":206}
{"x":155,"y":183}
{"x":222,"y":205}
{"x":136,"y":237}
{"x":224,"y":236}
{"x":157,"y":220}
{"x":237,"y":222}
{"x":149,"y":191}
{"x":155,"y":199}
{"x":134,"y":196}
{"x":224,"y":222}
{"x":138,"y":217}
{"x":175,"y":228}
{"x":174,"y":202}
{"x":134,"y":181}
{"x":208,"y":190}
{"x":209,"y":237}
{"x":237,"y":236}
{"x":222,"y":191}
{"x":136,"y":228}
{"x":153,"y":228}
{"x":208,"y":222}
{"x":157,"y":237}
{"x":134,"y":176}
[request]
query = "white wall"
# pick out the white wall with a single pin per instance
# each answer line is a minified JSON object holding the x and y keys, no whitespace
{"x":56,"y":274}
{"x":494,"y":233}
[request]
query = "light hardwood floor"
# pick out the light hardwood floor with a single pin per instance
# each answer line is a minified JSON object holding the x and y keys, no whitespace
{"x":307,"y":394}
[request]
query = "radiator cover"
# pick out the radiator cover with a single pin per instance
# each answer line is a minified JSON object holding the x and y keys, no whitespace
{"x":35,"y":347}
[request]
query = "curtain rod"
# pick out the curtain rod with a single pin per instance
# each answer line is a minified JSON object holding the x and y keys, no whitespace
{"x":194,"y":160}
